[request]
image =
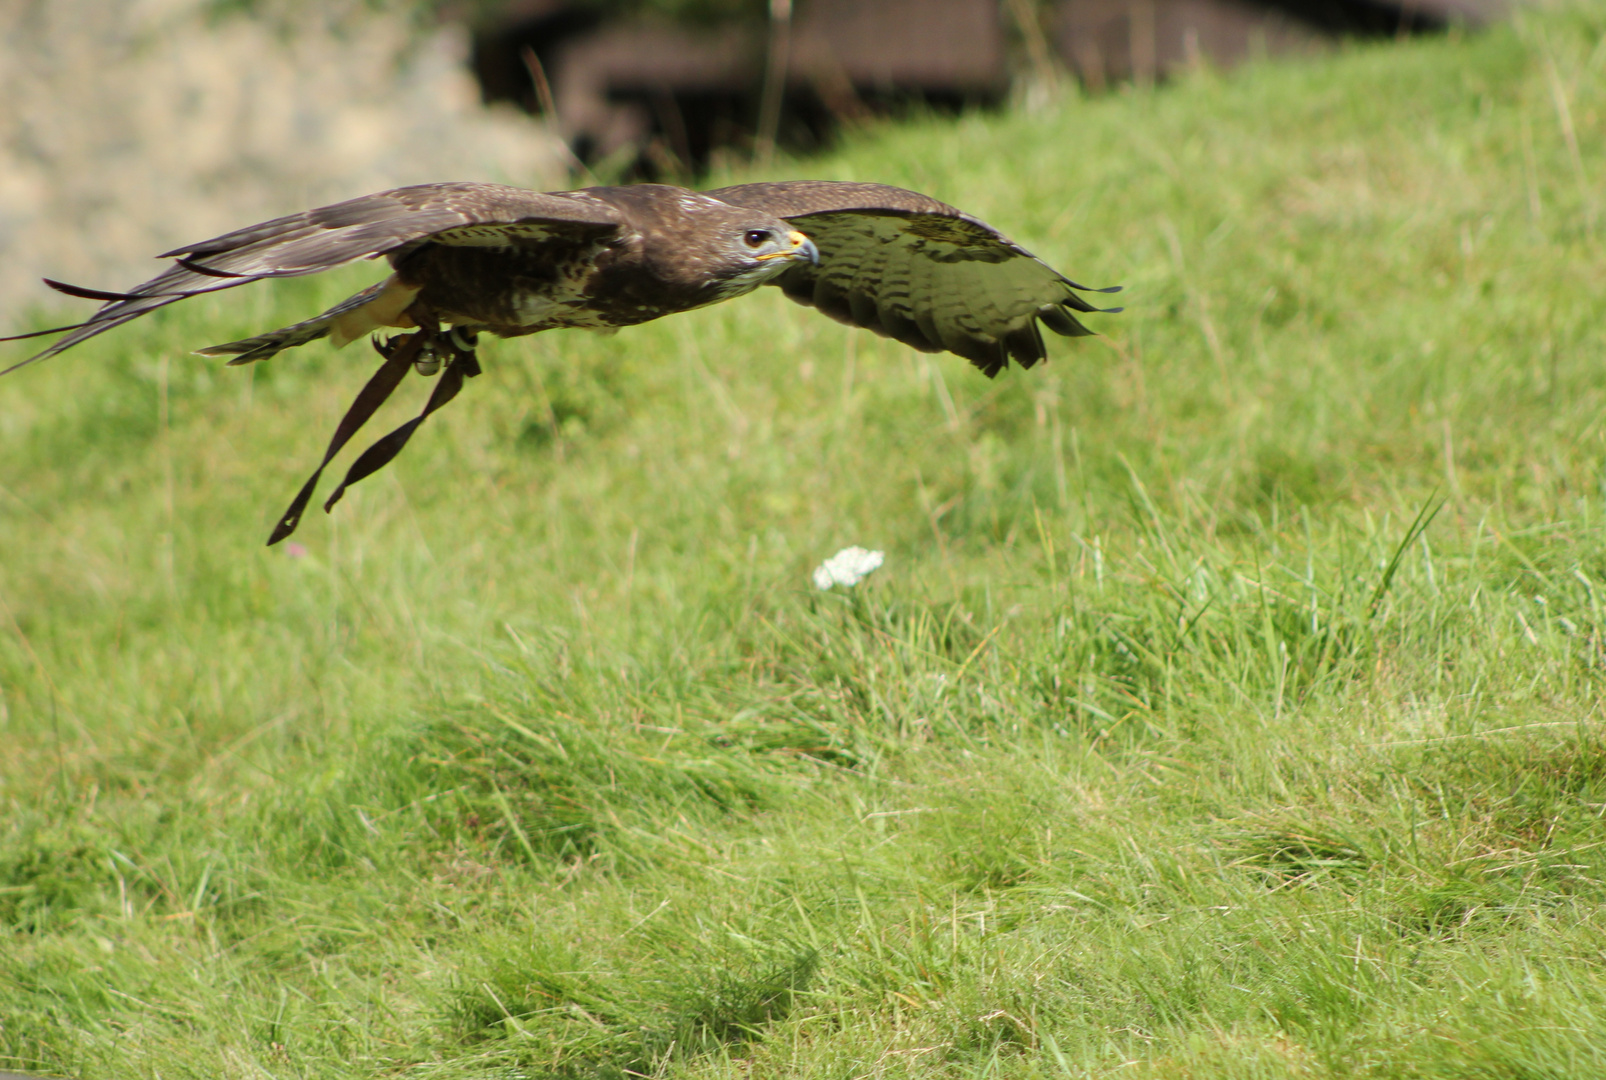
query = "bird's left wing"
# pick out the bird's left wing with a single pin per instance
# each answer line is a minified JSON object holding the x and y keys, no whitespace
{"x":386,"y":223}
{"x":915,"y":269}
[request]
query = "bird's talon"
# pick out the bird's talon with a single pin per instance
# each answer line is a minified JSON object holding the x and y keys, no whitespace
{"x":386,"y":347}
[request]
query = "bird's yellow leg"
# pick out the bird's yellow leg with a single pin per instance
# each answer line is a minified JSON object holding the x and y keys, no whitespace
{"x":389,"y":308}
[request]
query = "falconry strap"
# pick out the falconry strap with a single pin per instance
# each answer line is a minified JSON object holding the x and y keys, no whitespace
{"x":376,"y":457}
{"x":399,"y":356}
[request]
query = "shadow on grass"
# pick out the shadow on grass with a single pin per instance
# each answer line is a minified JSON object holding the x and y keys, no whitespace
{"x":575,"y":1024}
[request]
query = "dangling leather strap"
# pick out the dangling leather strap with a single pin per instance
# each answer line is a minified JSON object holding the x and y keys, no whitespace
{"x":379,"y":387}
{"x":462,"y":365}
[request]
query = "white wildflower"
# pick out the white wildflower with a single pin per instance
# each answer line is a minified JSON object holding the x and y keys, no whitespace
{"x":846,"y":568}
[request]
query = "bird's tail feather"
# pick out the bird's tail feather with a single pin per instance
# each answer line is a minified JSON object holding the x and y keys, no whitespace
{"x":248,"y":350}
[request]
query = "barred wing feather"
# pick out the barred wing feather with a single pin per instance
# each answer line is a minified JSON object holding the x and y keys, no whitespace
{"x":915,"y":269}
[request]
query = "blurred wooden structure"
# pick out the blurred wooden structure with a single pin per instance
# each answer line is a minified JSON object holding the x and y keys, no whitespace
{"x":1105,"y":41}
{"x":672,"y":95}
{"x":679,"y":92}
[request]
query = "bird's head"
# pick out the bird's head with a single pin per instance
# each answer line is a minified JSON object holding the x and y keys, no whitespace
{"x":758,"y":250}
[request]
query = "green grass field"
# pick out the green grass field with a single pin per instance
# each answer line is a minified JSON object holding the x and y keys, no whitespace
{"x":1228,"y":705}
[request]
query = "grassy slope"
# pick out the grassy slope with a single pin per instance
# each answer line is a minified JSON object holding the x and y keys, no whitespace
{"x":1155,"y":748}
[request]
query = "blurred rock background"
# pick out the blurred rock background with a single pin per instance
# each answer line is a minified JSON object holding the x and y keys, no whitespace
{"x":132,"y":126}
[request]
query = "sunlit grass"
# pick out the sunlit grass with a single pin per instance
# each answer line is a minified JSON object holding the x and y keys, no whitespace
{"x":1226,"y":706}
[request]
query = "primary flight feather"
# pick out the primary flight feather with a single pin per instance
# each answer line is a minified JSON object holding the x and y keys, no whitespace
{"x":470,"y":257}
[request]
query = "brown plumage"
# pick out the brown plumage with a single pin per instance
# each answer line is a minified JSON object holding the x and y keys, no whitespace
{"x":473,"y":257}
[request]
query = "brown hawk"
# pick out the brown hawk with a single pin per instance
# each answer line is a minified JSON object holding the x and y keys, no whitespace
{"x":472,"y":257}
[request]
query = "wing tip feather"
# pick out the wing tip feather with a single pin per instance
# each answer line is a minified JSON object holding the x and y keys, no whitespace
{"x":83,"y":293}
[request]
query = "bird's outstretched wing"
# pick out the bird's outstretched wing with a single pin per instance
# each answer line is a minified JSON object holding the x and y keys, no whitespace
{"x":386,"y":223}
{"x":918,"y":270}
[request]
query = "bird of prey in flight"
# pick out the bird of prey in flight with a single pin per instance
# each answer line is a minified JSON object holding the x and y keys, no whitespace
{"x":468,"y":258}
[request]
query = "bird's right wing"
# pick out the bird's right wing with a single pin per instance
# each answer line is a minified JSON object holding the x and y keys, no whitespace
{"x":915,"y":269}
{"x":386,"y":223}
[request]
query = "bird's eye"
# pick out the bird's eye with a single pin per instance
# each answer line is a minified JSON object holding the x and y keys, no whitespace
{"x":755,"y":237}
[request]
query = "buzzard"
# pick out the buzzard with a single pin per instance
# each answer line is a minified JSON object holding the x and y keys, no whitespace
{"x":469,"y":257}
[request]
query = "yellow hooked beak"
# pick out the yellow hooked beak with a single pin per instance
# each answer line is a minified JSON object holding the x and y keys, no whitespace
{"x":802,"y":248}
